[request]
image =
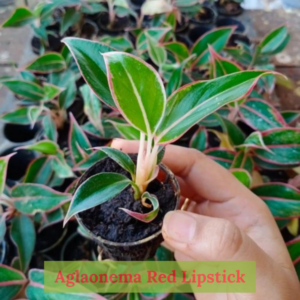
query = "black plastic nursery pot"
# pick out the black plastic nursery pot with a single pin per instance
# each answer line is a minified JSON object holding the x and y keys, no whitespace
{"x":206,"y":15}
{"x":138,"y":3}
{"x":224,"y":22}
{"x":21,"y":133}
{"x":229,"y":8}
{"x":18,"y":163}
{"x":118,"y":26}
{"x":120,"y":236}
{"x":197,"y":31}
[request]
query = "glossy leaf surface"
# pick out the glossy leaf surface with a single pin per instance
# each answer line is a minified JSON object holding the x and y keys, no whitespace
{"x":194,"y":102}
{"x":32,"y":198}
{"x":95,"y":191}
{"x":87,"y":55}
{"x":137,"y":90}
{"x":283,"y":200}
{"x":23,"y":235}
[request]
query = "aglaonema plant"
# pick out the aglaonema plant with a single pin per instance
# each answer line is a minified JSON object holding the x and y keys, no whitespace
{"x":20,"y":205}
{"x":137,"y":91}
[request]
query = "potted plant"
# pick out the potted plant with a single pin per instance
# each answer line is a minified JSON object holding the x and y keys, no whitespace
{"x":122,"y":199}
{"x":229,"y":7}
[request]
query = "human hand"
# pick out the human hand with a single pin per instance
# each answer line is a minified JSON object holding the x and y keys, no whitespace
{"x":225,"y":221}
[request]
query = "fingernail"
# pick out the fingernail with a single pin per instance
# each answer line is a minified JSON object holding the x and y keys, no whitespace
{"x":179,"y":226}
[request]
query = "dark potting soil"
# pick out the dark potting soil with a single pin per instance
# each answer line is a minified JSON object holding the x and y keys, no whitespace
{"x":113,"y":224}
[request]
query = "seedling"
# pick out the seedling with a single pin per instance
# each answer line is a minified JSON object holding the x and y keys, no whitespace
{"x":137,"y":91}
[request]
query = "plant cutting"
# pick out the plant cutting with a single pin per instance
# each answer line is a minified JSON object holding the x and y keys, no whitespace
{"x":137,"y":190}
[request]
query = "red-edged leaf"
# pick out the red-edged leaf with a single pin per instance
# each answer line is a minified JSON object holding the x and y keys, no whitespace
{"x":284,"y":146}
{"x":221,"y":66}
{"x":261,"y":115}
{"x":11,"y":282}
{"x":282,"y":199}
{"x":148,"y":217}
{"x":221,"y":156}
{"x":217,"y":38}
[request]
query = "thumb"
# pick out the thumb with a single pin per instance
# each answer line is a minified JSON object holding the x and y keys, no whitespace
{"x":201,"y":238}
{"x":206,"y":238}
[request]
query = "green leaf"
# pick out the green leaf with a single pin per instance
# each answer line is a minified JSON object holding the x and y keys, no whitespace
{"x":61,"y":167}
{"x":261,"y":115}
{"x":283,"y":200}
{"x":95,"y":191}
{"x":235,"y":134}
{"x":294,"y":249}
{"x":21,"y":115}
{"x":27,"y":89}
{"x":39,"y":171}
{"x":196,"y":101}
{"x":87,"y":55}
{"x":157,"y":53}
{"x":11,"y":282}
{"x":120,"y":158}
{"x":156,"y":33}
{"x":150,"y":216}
{"x":199,"y":140}
{"x":242,"y":176}
{"x":47,"y":63}
{"x":49,"y":128}
{"x":179,"y":50}
{"x":90,"y":161}
{"x":221,"y":66}
{"x":175,"y":81}
{"x":243,"y":160}
{"x":254,"y":141}
{"x":22,"y":233}
{"x":70,"y":18}
{"x":274,"y":42}
{"x":30,"y":199}
{"x":137,"y":89}
{"x":20,"y":17}
{"x":284,"y":146}
{"x":119,"y":43}
{"x":109,"y":132}
{"x":126,"y":131}
{"x":290,"y":116}
{"x":28,"y":76}
{"x":3,"y":170}
{"x":222,"y":156}
{"x":66,"y":80}
{"x":44,"y":147}
{"x":50,"y":92}
{"x":79,"y":145}
{"x":35,"y":290}
{"x":240,"y":54}
{"x":217,"y":38}
{"x":92,"y":107}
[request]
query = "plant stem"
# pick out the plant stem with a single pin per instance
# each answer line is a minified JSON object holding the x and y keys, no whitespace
{"x":112,"y":14}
